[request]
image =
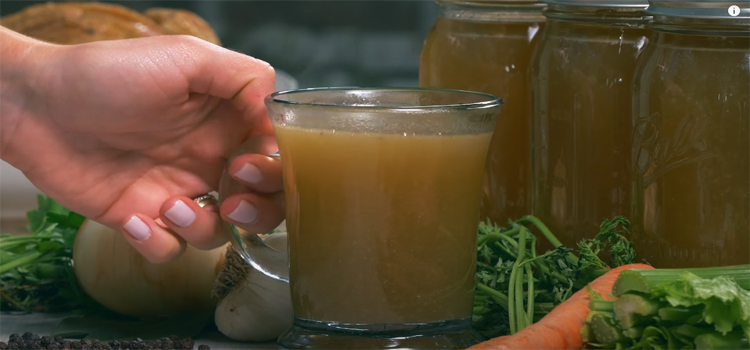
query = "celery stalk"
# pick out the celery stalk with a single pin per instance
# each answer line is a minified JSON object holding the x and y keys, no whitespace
{"x":631,"y":308}
{"x":712,"y":341}
{"x":644,"y":281}
{"x":604,"y":328}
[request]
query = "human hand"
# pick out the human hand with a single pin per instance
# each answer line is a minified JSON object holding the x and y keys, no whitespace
{"x":126,"y":132}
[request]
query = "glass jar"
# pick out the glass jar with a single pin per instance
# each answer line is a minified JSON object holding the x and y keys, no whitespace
{"x":486,"y":46}
{"x":581,"y":83}
{"x":691,"y":140}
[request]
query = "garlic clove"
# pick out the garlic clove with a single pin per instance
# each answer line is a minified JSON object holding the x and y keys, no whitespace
{"x":258,"y":310}
{"x":253,"y":306}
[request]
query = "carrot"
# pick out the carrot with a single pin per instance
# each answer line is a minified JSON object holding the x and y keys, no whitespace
{"x":560,"y":329}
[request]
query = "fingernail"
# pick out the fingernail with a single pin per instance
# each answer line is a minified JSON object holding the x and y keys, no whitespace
{"x":180,"y":214}
{"x":137,"y":228}
{"x":244,"y":213}
{"x":249,"y":173}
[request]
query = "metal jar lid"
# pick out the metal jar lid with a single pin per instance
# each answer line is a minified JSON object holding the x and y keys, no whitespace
{"x":601,"y":3}
{"x":709,"y":9}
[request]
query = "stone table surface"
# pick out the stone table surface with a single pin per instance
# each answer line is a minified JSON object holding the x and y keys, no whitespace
{"x":44,"y":324}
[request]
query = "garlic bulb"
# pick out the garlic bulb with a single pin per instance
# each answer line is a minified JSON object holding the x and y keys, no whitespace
{"x":114,"y":274}
{"x":253,"y":306}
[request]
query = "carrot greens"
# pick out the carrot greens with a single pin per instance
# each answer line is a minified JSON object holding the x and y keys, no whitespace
{"x":516,"y":286}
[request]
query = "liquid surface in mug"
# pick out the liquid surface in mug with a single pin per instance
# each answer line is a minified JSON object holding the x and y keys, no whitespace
{"x":382,"y":227}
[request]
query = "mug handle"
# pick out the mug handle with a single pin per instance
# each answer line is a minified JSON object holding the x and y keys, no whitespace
{"x":254,"y":250}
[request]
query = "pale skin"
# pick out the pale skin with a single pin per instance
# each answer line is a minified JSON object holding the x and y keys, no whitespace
{"x":127,"y":132}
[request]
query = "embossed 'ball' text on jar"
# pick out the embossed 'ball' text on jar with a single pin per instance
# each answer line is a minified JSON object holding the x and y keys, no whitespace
{"x":691,"y":139}
{"x":486,"y":46}
{"x":581,"y":88}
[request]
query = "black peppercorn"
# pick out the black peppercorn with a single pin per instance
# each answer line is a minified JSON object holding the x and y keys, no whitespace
{"x":3,"y":345}
{"x":53,"y":346}
{"x":14,"y":338}
{"x":204,"y":347}
{"x":27,"y":336}
{"x":46,"y":340}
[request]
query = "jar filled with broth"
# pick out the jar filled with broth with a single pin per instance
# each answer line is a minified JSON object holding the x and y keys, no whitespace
{"x":691,"y":140}
{"x":486,"y":46}
{"x":581,"y":88}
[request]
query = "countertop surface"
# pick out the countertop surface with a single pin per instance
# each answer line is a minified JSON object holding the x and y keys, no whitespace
{"x":44,"y":324}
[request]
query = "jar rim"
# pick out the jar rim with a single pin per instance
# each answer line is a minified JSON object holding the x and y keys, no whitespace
{"x":713,"y":9}
{"x":494,"y":2}
{"x":601,"y":3}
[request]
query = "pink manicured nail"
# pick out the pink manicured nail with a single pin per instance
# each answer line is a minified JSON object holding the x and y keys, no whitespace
{"x":181,"y":214}
{"x":244,"y":213}
{"x":137,"y":228}
{"x":249,"y":173}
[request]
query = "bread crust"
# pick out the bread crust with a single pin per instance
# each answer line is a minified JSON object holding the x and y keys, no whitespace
{"x":176,"y":21}
{"x":70,"y":23}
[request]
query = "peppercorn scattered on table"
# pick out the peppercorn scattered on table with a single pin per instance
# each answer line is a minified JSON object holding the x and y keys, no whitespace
{"x":43,"y":324}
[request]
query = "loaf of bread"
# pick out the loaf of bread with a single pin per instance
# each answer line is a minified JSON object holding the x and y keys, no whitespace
{"x":174,"y":21}
{"x":71,"y":23}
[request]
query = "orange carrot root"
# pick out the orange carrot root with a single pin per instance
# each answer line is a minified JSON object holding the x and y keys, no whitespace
{"x":560,"y":329}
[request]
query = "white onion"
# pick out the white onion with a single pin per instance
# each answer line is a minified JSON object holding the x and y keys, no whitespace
{"x":113,"y":273}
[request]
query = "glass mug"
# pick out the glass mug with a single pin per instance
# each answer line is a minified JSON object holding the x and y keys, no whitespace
{"x":382,"y":191}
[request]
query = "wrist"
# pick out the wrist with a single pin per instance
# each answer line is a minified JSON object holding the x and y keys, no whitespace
{"x":20,"y":81}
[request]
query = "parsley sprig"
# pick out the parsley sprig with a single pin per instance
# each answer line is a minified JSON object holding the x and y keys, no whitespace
{"x":36,"y":271}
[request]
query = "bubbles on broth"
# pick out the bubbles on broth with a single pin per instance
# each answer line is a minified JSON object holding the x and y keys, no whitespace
{"x":401,"y":122}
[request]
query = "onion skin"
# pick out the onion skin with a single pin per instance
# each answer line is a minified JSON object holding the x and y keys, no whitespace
{"x":114,"y":274}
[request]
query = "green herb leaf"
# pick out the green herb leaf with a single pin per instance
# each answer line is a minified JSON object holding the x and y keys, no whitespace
{"x":677,"y":309}
{"x":516,"y":287}
{"x":36,"y":273}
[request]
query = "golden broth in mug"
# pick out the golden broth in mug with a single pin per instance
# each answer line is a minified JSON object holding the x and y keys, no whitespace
{"x":382,"y":227}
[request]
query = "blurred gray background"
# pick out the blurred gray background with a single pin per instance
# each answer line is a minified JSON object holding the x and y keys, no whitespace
{"x":319,"y":43}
